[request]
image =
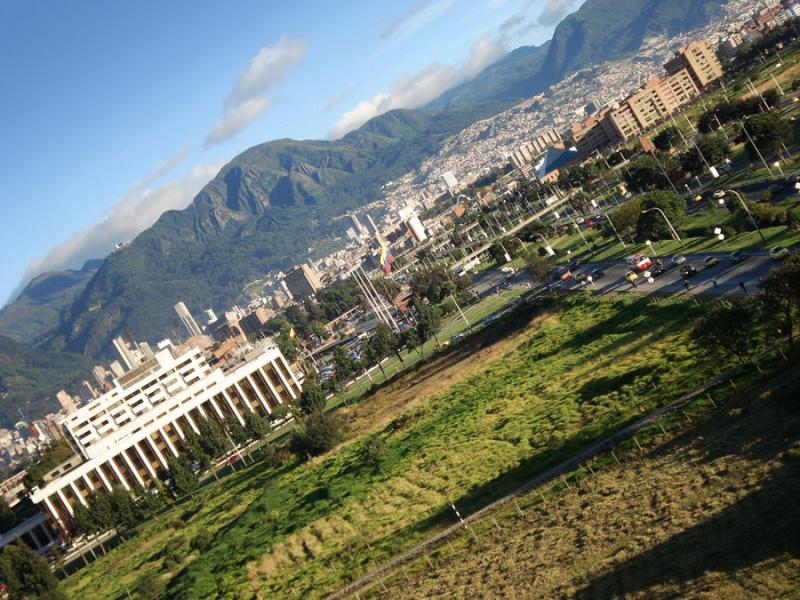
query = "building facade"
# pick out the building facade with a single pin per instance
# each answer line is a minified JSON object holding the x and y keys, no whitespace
{"x":127,"y":436}
{"x":700,"y":61}
{"x":302,"y":282}
{"x":188,"y":320}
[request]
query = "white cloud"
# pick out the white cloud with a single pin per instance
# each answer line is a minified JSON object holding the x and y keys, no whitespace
{"x":411,"y":91}
{"x":555,"y":10}
{"x":137,"y":210}
{"x":417,"y":17}
{"x":236,"y":119}
{"x":246,"y":102}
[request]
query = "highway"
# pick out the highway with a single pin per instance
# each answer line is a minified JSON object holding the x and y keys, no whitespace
{"x":727,"y":274}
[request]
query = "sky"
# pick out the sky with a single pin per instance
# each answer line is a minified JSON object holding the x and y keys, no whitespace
{"x":113,"y":112}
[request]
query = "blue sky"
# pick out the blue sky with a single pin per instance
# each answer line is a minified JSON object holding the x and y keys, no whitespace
{"x":113,"y":112}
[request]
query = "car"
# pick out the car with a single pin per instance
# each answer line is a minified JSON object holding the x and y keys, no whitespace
{"x":597,"y":274}
{"x":630,"y":277}
{"x":775,"y":188}
{"x":688,"y":270}
{"x":678,"y":259}
{"x":738,"y":256}
{"x":724,"y":168}
{"x":566,"y":276}
{"x":581,"y":277}
{"x":793,"y":179}
{"x":778,"y":252}
{"x":710,"y":261}
{"x":456,"y":336}
{"x":718,"y":194}
{"x":697,"y":197}
{"x":489,"y":319}
{"x":657,"y":271}
{"x":639,"y":262}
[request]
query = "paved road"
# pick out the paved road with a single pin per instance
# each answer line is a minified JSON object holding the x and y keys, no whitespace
{"x":727,"y":273}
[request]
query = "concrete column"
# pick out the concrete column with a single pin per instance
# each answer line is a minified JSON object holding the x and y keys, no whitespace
{"x":64,"y":501}
{"x":178,"y":428}
{"x":118,"y":473}
{"x":157,"y":452}
{"x":291,"y":374}
{"x":278,"y":398}
{"x":103,"y":478}
{"x":261,"y":399}
{"x":232,"y":406}
{"x":88,"y":482}
{"x":134,"y":471}
{"x":53,"y":512}
{"x":145,"y":460}
{"x":77,"y":492}
{"x":247,"y":402}
{"x":46,"y":531}
{"x":168,"y":442}
{"x":216,"y":407}
{"x":191,"y":422}
{"x":35,"y":538}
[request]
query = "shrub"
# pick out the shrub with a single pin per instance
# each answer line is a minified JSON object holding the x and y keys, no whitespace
{"x":202,"y":540}
{"x":373,"y":450}
{"x":317,"y":433}
{"x":150,"y":586}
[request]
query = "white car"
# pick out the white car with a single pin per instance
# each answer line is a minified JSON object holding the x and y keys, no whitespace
{"x":778,"y":252}
{"x":678,"y":259}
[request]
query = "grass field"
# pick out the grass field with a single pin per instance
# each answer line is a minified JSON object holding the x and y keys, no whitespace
{"x":702,"y":511}
{"x":488,"y":414}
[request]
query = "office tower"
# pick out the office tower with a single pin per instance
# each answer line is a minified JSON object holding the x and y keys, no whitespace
{"x":187,"y":320}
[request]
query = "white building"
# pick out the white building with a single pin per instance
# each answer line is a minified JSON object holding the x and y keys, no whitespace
{"x":127,"y":436}
{"x":187,"y":319}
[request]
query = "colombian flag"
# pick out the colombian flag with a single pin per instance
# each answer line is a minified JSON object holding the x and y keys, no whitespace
{"x":386,"y":259}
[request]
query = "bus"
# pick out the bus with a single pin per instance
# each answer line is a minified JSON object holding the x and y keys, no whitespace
{"x":639,"y":262}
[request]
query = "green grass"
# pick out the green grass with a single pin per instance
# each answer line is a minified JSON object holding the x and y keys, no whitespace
{"x":312,"y":527}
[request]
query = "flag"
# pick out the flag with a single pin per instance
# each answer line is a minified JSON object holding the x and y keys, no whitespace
{"x":386,"y":259}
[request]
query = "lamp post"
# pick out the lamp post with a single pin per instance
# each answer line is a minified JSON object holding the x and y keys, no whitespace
{"x":548,"y":248}
{"x":671,"y":228}
{"x":524,"y":245}
{"x":747,"y":210}
{"x":764,"y":162}
{"x":614,"y":229}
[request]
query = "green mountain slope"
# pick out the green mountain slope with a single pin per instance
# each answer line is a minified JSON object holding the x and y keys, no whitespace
{"x":30,"y":378}
{"x":39,"y":307}
{"x":608,"y":29}
{"x":267,"y":209}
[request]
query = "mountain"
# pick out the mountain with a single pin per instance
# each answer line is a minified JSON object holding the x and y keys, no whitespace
{"x":39,"y":308}
{"x":610,"y":29}
{"x":508,"y":81}
{"x":266,"y":210}
{"x":280,"y":202}
{"x":600,"y":30}
{"x":30,"y":378}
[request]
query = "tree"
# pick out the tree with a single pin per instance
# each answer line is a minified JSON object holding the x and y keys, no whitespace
{"x":412,"y":342}
{"x":625,"y":218}
{"x":714,"y":148}
{"x":194,"y":449}
{"x":435,"y":283}
{"x":26,"y":574}
{"x":343,"y":364}
{"x":312,"y":398}
{"x":667,"y":139}
{"x":650,"y":173}
{"x":652,"y":225}
{"x":538,"y":268}
{"x":212,"y":438}
{"x":373,"y":449}
{"x":123,"y":508}
{"x":150,"y":586}
{"x":257,"y":426}
{"x":236,"y":430}
{"x":780,"y":293}
{"x":184,"y":481}
{"x":279,"y":412}
{"x":731,"y":329}
{"x":386,"y":340}
{"x":768,"y":131}
{"x":429,"y":321}
{"x":7,"y":517}
{"x":317,"y":433}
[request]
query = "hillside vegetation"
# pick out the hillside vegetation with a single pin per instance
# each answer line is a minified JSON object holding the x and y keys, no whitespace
{"x":701,"y":511}
{"x":575,"y":375}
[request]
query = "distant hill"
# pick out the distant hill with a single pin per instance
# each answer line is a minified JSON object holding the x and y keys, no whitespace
{"x":30,"y":378}
{"x":600,"y":30}
{"x":39,"y":308}
{"x":280,"y":202}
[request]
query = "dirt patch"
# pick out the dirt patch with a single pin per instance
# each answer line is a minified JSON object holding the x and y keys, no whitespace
{"x":436,"y":375}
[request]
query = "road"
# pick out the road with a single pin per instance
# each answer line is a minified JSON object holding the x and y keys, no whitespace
{"x":727,"y":274}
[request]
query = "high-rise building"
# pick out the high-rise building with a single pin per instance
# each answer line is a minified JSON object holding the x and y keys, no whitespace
{"x":301,"y":282}
{"x":450,"y":181}
{"x":188,"y":320}
{"x":132,"y":353}
{"x":700,"y":62}
{"x":117,"y":369}
{"x":101,"y":375}
{"x":128,"y":435}
{"x":357,"y":226}
{"x":371,"y":227}
{"x":68,"y":404}
{"x":87,"y":391}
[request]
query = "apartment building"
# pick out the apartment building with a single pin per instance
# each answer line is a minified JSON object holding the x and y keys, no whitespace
{"x":700,"y":61}
{"x":127,"y":436}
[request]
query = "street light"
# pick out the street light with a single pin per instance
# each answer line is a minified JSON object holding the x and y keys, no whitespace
{"x":747,"y":210}
{"x":671,"y":228}
{"x":547,"y":247}
{"x":719,"y":234}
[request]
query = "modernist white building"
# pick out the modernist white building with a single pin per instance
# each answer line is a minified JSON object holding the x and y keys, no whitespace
{"x":127,"y":435}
